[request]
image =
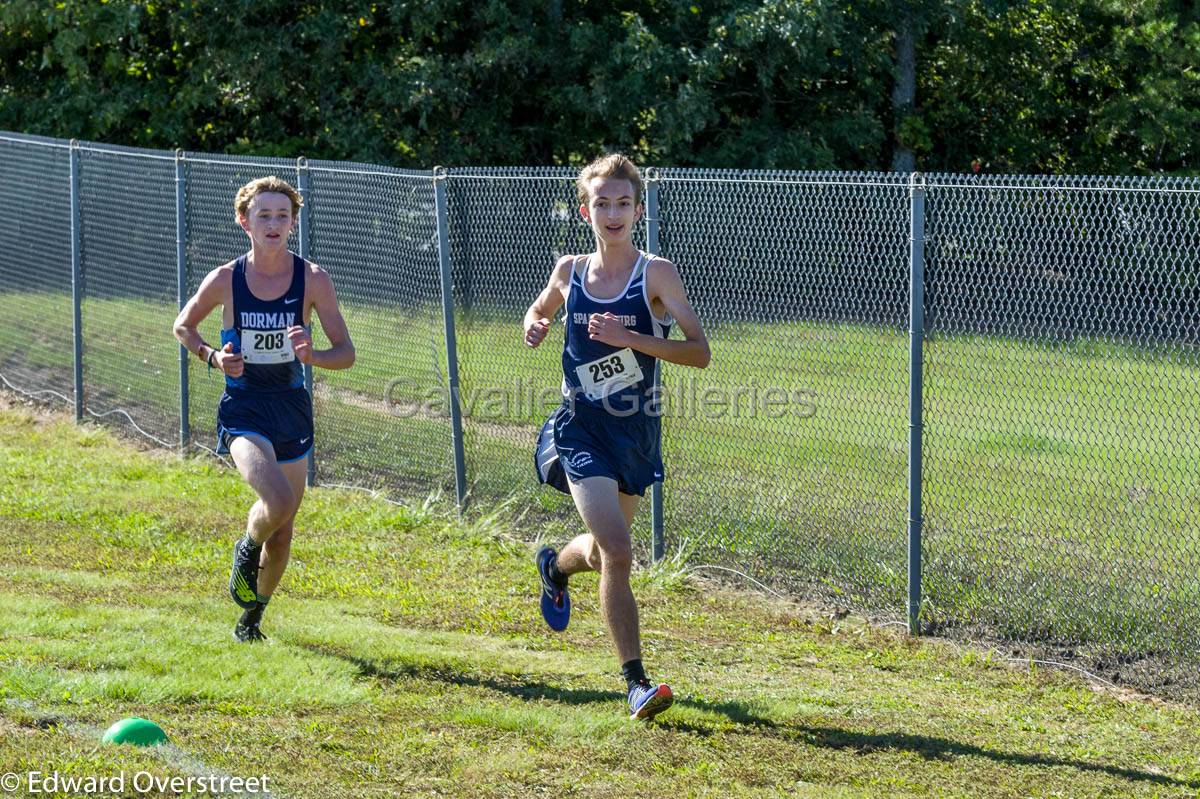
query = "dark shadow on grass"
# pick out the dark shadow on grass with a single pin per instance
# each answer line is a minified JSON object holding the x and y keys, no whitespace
{"x":531,"y":691}
{"x":926,"y":746}
{"x":861,"y":743}
{"x":734,"y":711}
{"x":391,"y":671}
{"x":935,"y":748}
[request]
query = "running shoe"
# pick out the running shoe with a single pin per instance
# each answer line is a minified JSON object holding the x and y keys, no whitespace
{"x":556,"y":603}
{"x":647,"y":700}
{"x":243,"y":580}
{"x":248,"y":633}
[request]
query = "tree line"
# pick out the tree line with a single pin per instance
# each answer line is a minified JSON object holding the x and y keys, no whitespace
{"x":1070,"y":86}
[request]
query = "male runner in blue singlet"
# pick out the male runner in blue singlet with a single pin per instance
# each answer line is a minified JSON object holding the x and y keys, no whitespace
{"x":264,"y":420}
{"x":602,"y":445}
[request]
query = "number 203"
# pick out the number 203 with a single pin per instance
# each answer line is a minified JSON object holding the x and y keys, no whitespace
{"x":268,"y":341}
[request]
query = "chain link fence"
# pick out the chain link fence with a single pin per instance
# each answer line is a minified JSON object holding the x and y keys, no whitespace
{"x":127,"y":258}
{"x":1058,"y":380}
{"x":786,"y":457}
{"x":507,"y":227}
{"x":1062,"y":418}
{"x":36,"y":338}
{"x":382,"y":424}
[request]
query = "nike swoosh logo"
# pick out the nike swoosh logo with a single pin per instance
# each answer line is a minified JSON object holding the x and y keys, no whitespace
{"x":304,"y":441}
{"x":289,"y":302}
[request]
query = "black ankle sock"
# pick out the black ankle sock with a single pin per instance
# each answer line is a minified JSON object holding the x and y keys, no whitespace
{"x":556,"y":575}
{"x":633,"y":673}
{"x":253,"y":615}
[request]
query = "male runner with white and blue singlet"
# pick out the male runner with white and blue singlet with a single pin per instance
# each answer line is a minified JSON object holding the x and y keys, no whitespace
{"x":602,"y":446}
{"x":264,"y":420}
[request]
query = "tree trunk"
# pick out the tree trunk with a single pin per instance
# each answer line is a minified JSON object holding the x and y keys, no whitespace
{"x":904,"y":92}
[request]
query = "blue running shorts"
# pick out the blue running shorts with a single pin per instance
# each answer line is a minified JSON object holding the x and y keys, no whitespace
{"x":283,"y":418}
{"x":591,"y":442}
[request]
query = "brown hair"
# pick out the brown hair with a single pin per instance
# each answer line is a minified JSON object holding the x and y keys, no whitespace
{"x":613,"y":165}
{"x":272,"y":184}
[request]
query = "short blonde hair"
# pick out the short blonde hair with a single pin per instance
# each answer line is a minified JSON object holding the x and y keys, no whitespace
{"x":613,"y":165}
{"x":267,"y":185}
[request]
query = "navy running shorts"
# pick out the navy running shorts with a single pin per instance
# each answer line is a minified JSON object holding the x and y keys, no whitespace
{"x":283,"y":418}
{"x":591,"y":442}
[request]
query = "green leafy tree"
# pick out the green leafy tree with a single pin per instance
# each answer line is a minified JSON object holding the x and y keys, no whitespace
{"x":1044,"y":85}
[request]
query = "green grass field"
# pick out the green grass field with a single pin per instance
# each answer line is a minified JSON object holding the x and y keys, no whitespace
{"x":407,"y":659}
{"x":1061,"y":499}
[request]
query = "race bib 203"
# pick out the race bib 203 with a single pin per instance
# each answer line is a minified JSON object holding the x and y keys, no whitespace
{"x":266,"y":346}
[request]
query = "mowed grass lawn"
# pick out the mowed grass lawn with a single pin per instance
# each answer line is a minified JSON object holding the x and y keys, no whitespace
{"x":1047,"y":464}
{"x":407,"y":658}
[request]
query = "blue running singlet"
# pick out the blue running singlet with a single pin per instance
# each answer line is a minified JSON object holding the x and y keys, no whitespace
{"x":259,"y":332}
{"x":609,"y":424}
{"x":269,"y":399}
{"x":600,"y":375}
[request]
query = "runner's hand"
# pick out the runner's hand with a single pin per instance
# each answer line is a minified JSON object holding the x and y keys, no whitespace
{"x":301,"y":343}
{"x":608,"y":329}
{"x":535,"y":331}
{"x":229,"y":361}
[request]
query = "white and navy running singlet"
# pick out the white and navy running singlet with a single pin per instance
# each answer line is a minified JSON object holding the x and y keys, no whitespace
{"x":269,"y":398}
{"x":259,"y":332}
{"x":598,"y":373}
{"x":609,"y":424}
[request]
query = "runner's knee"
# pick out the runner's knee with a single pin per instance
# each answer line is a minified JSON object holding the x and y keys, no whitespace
{"x":279,"y":504}
{"x":282,"y":540}
{"x":617,"y":556}
{"x":593,"y":556}
{"x":285,"y":529}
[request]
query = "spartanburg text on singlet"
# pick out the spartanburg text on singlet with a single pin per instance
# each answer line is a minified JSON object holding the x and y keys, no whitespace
{"x":619,"y":379}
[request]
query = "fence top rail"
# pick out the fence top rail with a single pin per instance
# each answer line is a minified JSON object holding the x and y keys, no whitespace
{"x":1060,"y":187}
{"x":451,"y":175}
{"x":399,"y":174}
{"x":36,"y":141}
{"x":877,"y":184}
{"x":234,"y":162}
{"x":128,"y":152}
{"x":264,"y":163}
{"x":684,"y":175}
{"x":1128,"y":184}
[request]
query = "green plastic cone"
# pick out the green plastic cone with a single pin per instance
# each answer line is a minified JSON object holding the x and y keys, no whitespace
{"x":135,"y":731}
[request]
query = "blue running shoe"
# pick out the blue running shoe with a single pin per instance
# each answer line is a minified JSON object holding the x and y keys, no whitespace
{"x":556,"y":603}
{"x":647,"y":700}
{"x":243,"y":580}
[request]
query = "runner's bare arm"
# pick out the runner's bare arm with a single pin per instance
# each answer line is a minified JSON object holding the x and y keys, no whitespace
{"x":664,"y":284}
{"x":340,"y":354}
{"x":214,"y":291}
{"x":543,"y":309}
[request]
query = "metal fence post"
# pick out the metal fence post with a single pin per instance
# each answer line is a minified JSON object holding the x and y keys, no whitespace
{"x":443,"y":231}
{"x":656,"y":491}
{"x":181,"y":290}
{"x":915,"y":421}
{"x":304,"y":229}
{"x":77,"y":279}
